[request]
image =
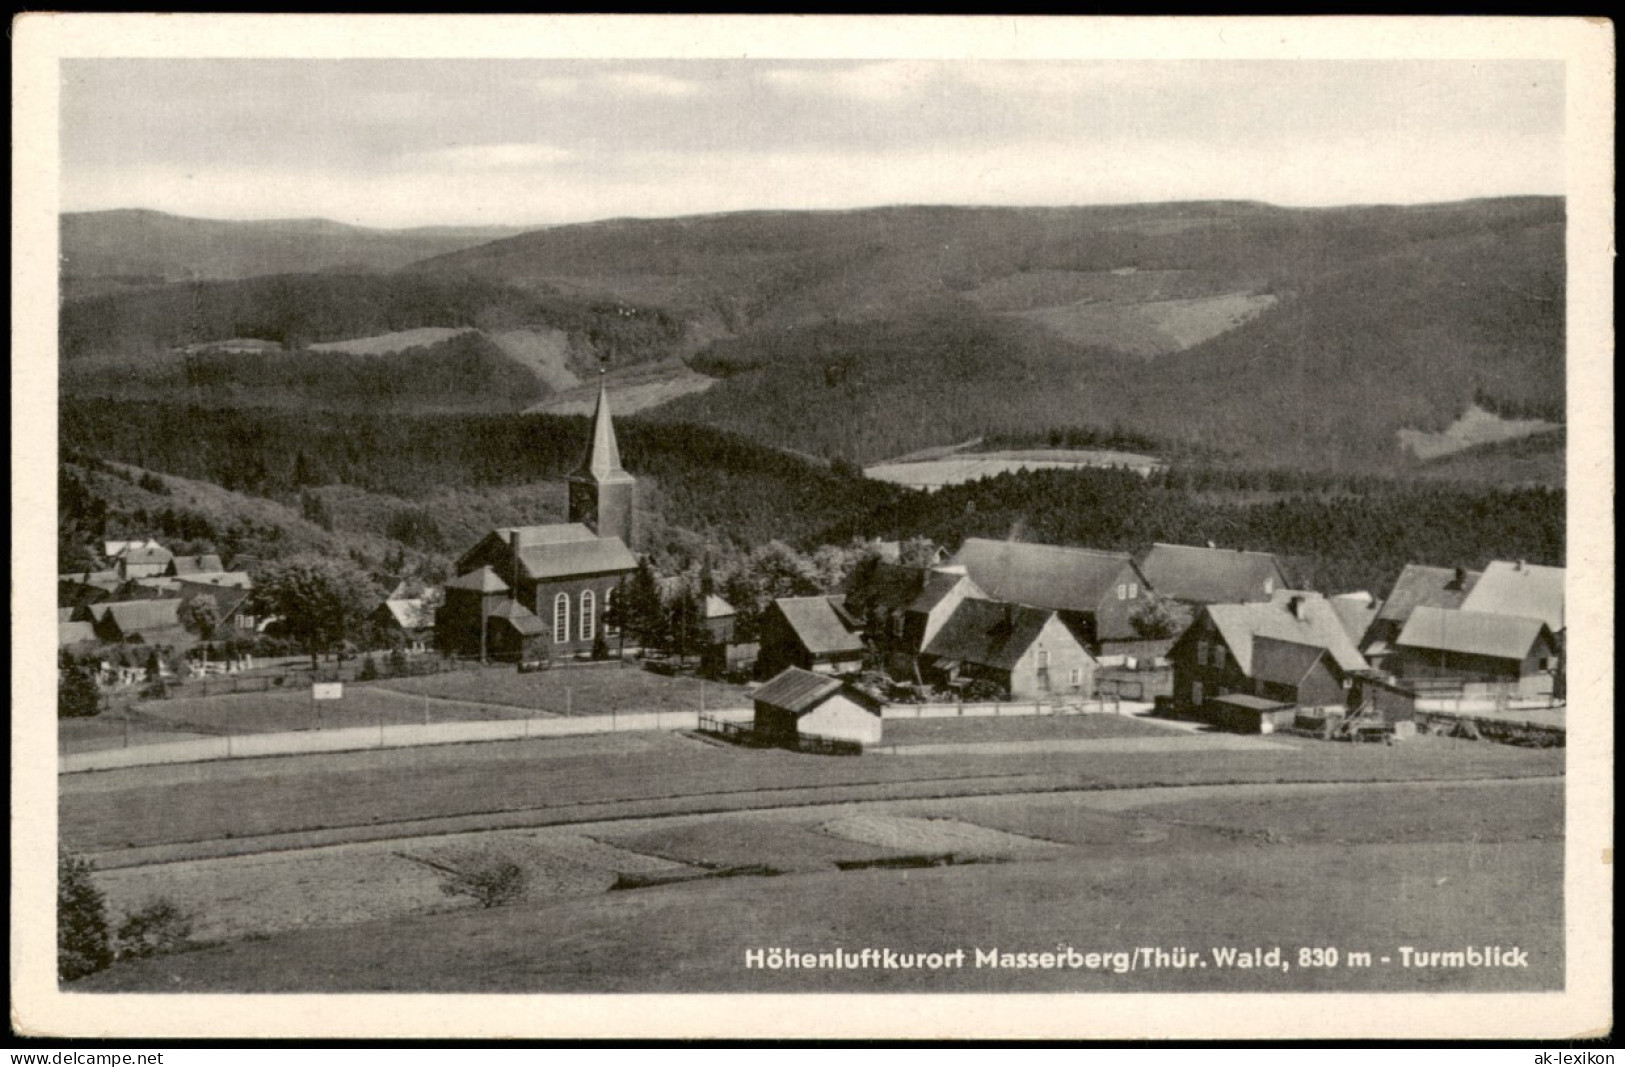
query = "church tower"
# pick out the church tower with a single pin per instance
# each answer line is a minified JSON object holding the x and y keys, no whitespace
{"x":601,"y":491}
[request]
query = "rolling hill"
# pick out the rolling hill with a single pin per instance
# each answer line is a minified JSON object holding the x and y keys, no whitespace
{"x":105,"y":251}
{"x":1273,"y":336}
{"x":1292,"y":336}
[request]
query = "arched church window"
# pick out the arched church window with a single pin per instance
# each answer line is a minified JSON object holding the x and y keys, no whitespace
{"x":561,"y":618}
{"x":609,"y":609}
{"x":588,"y":618}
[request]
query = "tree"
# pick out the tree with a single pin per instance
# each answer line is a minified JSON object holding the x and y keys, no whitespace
{"x":82,"y":944}
{"x":323,"y":602}
{"x":77,"y":696}
{"x":157,"y":927}
{"x":201,"y":615}
{"x":917,"y":552}
{"x":687,"y":616}
{"x":639,"y":608}
{"x":1155,"y":618}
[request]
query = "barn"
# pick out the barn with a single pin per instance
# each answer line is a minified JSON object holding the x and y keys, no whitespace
{"x":1505,"y":652}
{"x":815,"y":633}
{"x":798,"y":706}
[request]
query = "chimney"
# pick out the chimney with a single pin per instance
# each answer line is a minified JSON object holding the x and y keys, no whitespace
{"x":513,"y":558}
{"x":1213,"y":546}
{"x":1296,"y":606}
{"x":1461,"y":578}
{"x":1519,"y":566}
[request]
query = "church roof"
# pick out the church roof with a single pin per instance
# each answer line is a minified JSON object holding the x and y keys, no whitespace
{"x":483,"y":580}
{"x":603,"y":462}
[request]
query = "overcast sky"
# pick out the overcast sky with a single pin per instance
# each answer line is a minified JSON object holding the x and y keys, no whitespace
{"x":422,"y":142}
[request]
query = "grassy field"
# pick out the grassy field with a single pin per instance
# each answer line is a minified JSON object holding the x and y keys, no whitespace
{"x":384,"y":344}
{"x":1397,"y":866}
{"x":592,"y":691}
{"x":1022,"y":728}
{"x":554,"y":779}
{"x":970,"y":466}
{"x":456,"y":696}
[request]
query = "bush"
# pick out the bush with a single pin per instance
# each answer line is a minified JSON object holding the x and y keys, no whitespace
{"x":369,"y":670}
{"x":158,"y":927}
{"x":980,"y":690}
{"x":157,"y":689}
{"x":398,"y":664}
{"x":600,"y":647}
{"x":491,"y":880}
{"x":82,"y":945}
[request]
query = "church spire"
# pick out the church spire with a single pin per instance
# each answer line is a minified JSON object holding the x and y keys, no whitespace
{"x":604,"y":455}
{"x":601,"y":491}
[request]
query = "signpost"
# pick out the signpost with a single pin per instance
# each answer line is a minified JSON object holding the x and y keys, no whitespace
{"x":324,"y":691}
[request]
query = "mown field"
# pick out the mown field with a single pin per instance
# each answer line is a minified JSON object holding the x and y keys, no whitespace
{"x":455,"y":696}
{"x":1023,"y":728}
{"x":360,"y":795}
{"x":1358,"y":868}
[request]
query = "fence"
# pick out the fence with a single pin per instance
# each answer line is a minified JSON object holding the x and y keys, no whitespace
{"x":1103,"y":703}
{"x":349,"y":739}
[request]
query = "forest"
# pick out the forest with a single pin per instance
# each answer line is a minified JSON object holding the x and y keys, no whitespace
{"x":704,"y":491}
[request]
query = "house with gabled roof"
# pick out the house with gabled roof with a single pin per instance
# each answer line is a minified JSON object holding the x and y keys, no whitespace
{"x":903,"y":607}
{"x":1417,"y":586}
{"x":154,"y":621}
{"x":798,"y":704}
{"x":1511,"y":653}
{"x":1198,"y":575}
{"x":1097,"y":593}
{"x":407,"y":620}
{"x":148,"y":560}
{"x":1293,"y":646}
{"x":192,"y":566}
{"x":814,"y":633}
{"x":564,"y":574}
{"x":1030,"y":653}
{"x":1525,"y":590}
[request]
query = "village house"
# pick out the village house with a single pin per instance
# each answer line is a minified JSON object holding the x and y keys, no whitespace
{"x":154,"y":621}
{"x":813,"y":633}
{"x":148,"y":560}
{"x":1417,"y":586}
{"x":1097,"y":593}
{"x":1196,"y":576}
{"x":903,"y":607}
{"x":405,"y":622}
{"x":1291,"y":651}
{"x":1520,"y":589}
{"x":563,"y":576}
{"x":1479,"y":650}
{"x":193,"y":566}
{"x":1029,"y":653}
{"x":799,"y":705}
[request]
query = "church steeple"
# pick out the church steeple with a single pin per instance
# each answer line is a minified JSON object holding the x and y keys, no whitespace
{"x":604,"y":455}
{"x":601,"y":491}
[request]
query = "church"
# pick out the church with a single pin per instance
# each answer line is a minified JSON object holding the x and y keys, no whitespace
{"x":534,"y":592}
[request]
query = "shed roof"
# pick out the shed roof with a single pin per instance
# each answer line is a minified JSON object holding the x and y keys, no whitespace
{"x":1521,"y":589}
{"x":1477,"y":633}
{"x":1284,"y":662}
{"x":1419,"y":585}
{"x":1211,"y":575}
{"x":820,"y":624}
{"x":233,"y":579}
{"x":717,"y":608}
{"x":1044,"y":576}
{"x":989,"y":633}
{"x":132,"y":616}
{"x":797,"y":691}
{"x":1315,"y":624}
{"x":228,"y":600}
